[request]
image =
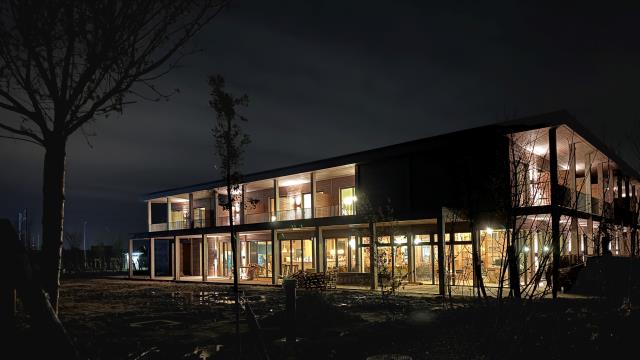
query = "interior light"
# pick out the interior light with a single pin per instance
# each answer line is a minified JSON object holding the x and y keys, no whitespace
{"x":340,"y":251}
{"x":348,"y":200}
{"x":525,"y":248}
{"x":352,"y":243}
{"x":489,"y":231}
{"x":545,"y":248}
{"x":417,"y":240}
{"x":273,"y":218}
{"x":400,"y":239}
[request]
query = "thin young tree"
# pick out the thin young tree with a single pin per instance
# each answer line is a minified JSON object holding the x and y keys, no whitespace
{"x":230,"y":143}
{"x":66,"y":63}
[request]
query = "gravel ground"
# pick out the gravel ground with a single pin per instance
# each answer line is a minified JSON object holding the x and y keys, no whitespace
{"x":129,"y":319}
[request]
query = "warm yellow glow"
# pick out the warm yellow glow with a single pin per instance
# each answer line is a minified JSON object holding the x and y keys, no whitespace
{"x":273,"y":218}
{"x":400,"y":239}
{"x":352,"y":243}
{"x":489,"y":231}
{"x":348,"y":200}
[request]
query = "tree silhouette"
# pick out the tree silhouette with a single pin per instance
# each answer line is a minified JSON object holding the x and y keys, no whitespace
{"x":230,"y":142}
{"x":65,"y":63}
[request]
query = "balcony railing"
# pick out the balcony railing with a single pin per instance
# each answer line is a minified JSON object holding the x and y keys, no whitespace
{"x":294,"y":214}
{"x":256,"y":218}
{"x":200,"y":223}
{"x":158,"y":227}
{"x":334,"y":210}
{"x":178,"y":225}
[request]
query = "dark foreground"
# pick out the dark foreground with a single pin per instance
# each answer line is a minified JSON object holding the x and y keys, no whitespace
{"x":122,"y":319}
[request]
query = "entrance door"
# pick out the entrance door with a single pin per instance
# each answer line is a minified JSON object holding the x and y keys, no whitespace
{"x":296,"y":255}
{"x":259,"y":256}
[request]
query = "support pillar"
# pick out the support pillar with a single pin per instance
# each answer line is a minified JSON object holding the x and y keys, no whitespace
{"x":204,"y":251}
{"x":275,"y":252}
{"x":276,"y":201}
{"x":555,"y":211}
{"x":149,"y":215}
{"x":313,"y":195}
{"x":412,"y":260}
{"x":442,"y":266}
{"x":373,"y":255}
{"x":589,"y":239}
{"x":176,"y":257}
{"x":575,"y":242}
{"x":214,"y":209}
{"x":130,"y":258}
{"x":152,"y":258}
{"x":320,"y":250}
{"x":601,"y":189}
{"x":571,"y":177}
{"x":169,"y":225}
{"x":190,"y":224}
{"x":242,"y":207}
{"x":587,"y":182}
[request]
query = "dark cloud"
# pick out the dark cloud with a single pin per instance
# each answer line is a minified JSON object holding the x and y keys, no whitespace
{"x":334,"y":77}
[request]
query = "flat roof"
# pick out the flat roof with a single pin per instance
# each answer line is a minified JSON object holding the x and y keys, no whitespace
{"x":556,"y":118}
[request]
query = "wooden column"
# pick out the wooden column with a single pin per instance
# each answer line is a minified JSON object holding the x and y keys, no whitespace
{"x":412,"y":263}
{"x":320,"y":250}
{"x":205,"y":257}
{"x":130,"y":258}
{"x":242,"y":209}
{"x":169,"y":226}
{"x":373,"y":260}
{"x":214,"y":209}
{"x":275,"y":252}
{"x":571,"y":177}
{"x":176,"y":256}
{"x":149,"y":215}
{"x":587,"y":182}
{"x":276,"y":199}
{"x":601,"y":188}
{"x":152,"y":258}
{"x":190,"y":215}
{"x":313,"y":195}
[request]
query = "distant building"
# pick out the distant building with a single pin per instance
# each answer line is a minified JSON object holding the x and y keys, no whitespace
{"x":432,"y":211}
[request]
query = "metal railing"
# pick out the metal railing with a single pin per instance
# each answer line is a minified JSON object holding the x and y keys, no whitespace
{"x":178,"y":225}
{"x":200,"y":223}
{"x":294,"y":214}
{"x":158,"y":227}
{"x":333,"y":210}
{"x":256,"y":218}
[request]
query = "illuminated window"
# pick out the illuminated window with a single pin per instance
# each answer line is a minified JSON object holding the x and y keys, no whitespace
{"x":347,"y":201}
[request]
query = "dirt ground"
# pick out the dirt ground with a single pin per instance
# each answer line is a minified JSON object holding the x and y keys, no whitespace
{"x":129,"y":319}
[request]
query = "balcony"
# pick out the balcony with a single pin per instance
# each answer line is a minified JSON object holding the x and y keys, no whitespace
{"x":256,"y":218}
{"x":158,"y":227}
{"x":294,"y":214}
{"x":179,"y":225}
{"x":334,"y":210}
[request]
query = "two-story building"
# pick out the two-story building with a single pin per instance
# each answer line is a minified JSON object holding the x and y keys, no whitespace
{"x":435,"y":211}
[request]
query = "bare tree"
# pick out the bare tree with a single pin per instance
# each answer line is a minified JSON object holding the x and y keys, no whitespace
{"x":66,"y":63}
{"x":230,"y":143}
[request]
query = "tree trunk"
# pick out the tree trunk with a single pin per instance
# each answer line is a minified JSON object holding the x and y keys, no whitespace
{"x":234,"y":251}
{"x":52,"y":217}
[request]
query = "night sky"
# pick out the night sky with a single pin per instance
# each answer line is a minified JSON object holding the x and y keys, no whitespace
{"x":339,"y":77}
